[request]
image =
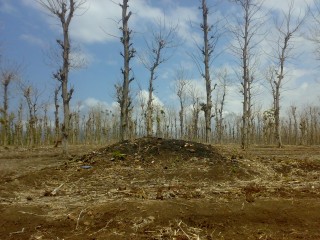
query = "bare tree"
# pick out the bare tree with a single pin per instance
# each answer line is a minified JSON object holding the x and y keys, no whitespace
{"x":56,"y":116}
{"x":127,"y":54}
{"x":196,"y":108}
{"x":163,"y":38}
{"x":46,"y":128}
{"x":31,"y":96}
{"x":64,"y":11}
{"x":181,"y":86}
{"x":18,"y":132}
{"x":314,"y":35}
{"x":247,"y":28}
{"x":9,"y":72}
{"x":287,"y":27}
{"x":7,"y":75}
{"x":207,"y":52}
{"x":211,"y":35}
{"x":222,"y":86}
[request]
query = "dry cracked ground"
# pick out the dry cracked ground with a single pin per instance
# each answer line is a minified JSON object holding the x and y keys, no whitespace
{"x":152,"y":188}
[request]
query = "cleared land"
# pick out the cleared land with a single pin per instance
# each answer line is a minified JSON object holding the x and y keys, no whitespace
{"x":153,"y":188}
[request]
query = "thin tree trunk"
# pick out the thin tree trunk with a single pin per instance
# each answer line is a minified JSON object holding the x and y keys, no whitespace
{"x":149,"y":113}
{"x":128,"y":53}
{"x":207,"y":108}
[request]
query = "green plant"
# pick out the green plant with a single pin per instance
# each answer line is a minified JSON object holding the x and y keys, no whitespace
{"x":118,"y":155}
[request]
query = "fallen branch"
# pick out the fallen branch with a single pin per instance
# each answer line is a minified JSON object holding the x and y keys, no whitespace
{"x":54,"y":192}
{"x":39,"y":215}
{"x":102,"y":229}
{"x":79,"y":218}
{"x":22,"y":231}
{"x":183,"y":230}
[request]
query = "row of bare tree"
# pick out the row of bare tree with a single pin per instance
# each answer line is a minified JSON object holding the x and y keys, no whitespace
{"x":147,"y":118}
{"x":99,"y":125}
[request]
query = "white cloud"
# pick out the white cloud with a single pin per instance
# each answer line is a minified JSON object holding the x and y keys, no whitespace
{"x":302,"y":90}
{"x":33,"y":40}
{"x":93,"y":102}
{"x":80,"y":58}
{"x":282,"y":6}
{"x":144,"y":95}
{"x":99,"y":20}
{"x":98,"y":23}
{"x":198,"y":86}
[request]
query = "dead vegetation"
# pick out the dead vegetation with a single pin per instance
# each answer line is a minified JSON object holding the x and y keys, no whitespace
{"x":153,"y":188}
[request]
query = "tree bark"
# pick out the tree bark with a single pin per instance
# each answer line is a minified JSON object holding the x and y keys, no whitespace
{"x":128,"y":54}
{"x":7,"y":77}
{"x":207,"y":107}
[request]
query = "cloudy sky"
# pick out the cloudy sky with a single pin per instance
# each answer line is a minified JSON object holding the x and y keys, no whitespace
{"x":28,"y":36}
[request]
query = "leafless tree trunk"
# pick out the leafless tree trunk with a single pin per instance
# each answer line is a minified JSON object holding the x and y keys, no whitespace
{"x":56,"y":115}
{"x":128,"y":54}
{"x":210,"y":39}
{"x":181,"y":86}
{"x":207,"y":51}
{"x":314,"y":34}
{"x":287,"y":28}
{"x":64,"y":11}
{"x":293,"y":110}
{"x":196,"y":108}
{"x":223,"y":82}
{"x":19,"y":126}
{"x":7,"y":76}
{"x":46,"y":126}
{"x":303,"y":128}
{"x":162,"y":39}
{"x":314,"y":125}
{"x":31,"y":96}
{"x":142,"y":112}
{"x":244,"y":33}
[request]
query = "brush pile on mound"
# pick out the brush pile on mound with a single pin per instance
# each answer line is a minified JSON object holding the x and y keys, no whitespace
{"x":150,"y":150}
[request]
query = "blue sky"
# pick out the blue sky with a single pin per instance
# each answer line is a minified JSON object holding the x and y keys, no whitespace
{"x":28,"y":33}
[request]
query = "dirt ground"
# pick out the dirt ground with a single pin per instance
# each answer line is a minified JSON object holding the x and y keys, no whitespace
{"x":153,"y":188}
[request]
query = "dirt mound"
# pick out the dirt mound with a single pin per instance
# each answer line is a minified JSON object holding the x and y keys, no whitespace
{"x":151,"y":149}
{"x":166,"y":154}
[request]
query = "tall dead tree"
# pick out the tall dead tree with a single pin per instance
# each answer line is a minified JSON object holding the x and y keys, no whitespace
{"x":207,"y":52}
{"x":181,"y":86}
{"x":203,"y":60}
{"x":247,"y":28}
{"x":287,"y":27}
{"x":64,"y":11}
{"x":31,"y":96}
{"x":127,"y":54}
{"x":195,"y":98}
{"x":314,"y":34}
{"x":18,"y":133}
{"x":6,"y":78}
{"x":56,"y":115}
{"x":222,"y":85}
{"x":162,"y":39}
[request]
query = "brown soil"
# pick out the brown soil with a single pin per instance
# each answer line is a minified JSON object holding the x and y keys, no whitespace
{"x":153,"y":188}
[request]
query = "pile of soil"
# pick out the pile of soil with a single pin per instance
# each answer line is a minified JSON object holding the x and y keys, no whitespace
{"x":149,"y":149}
